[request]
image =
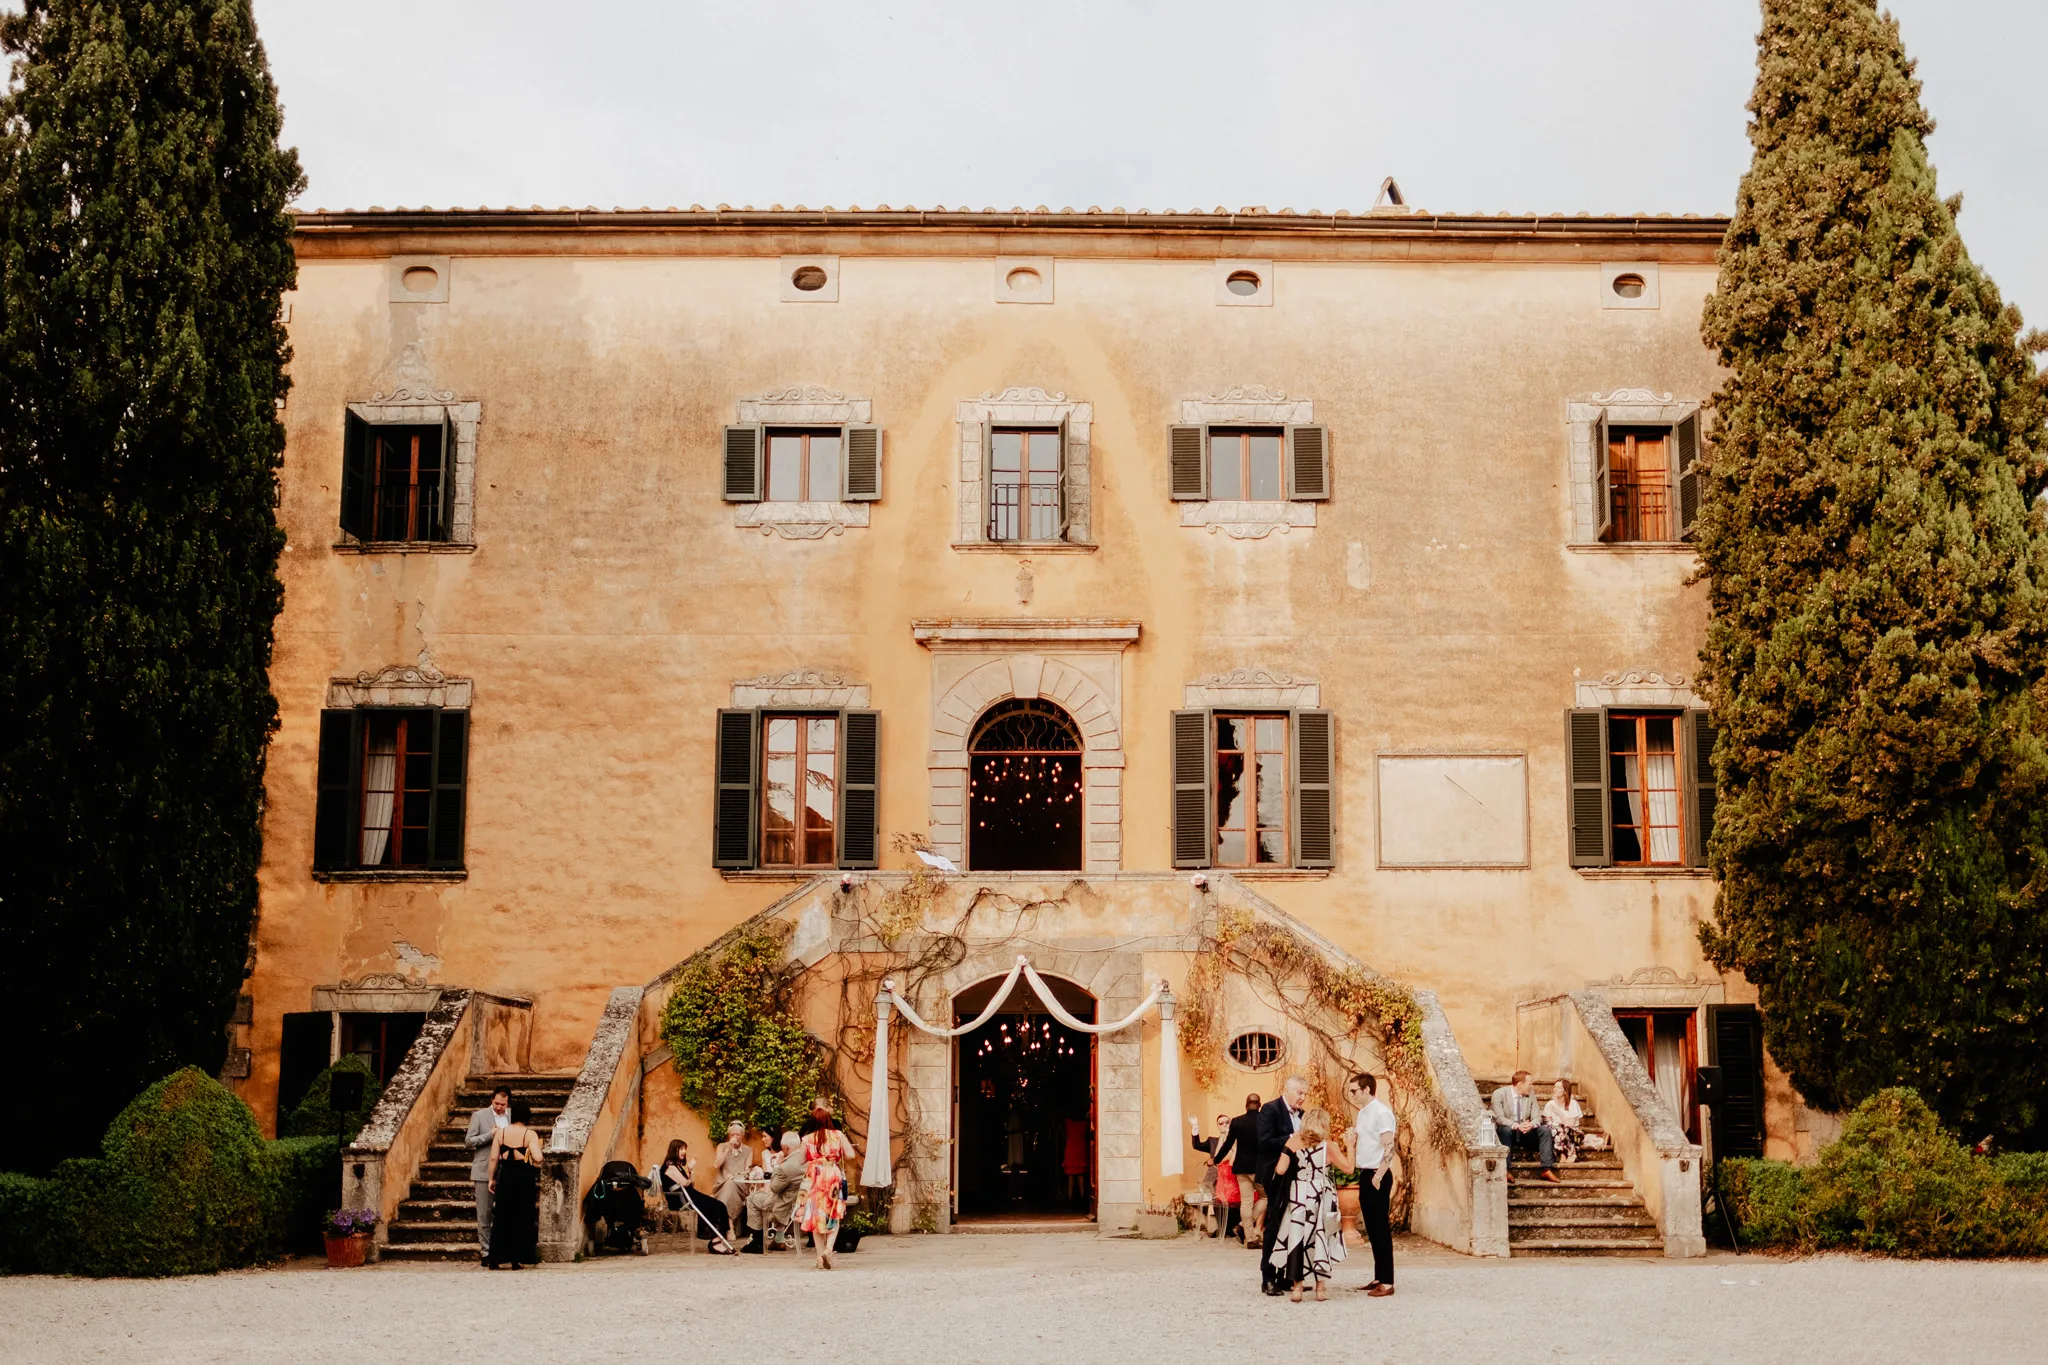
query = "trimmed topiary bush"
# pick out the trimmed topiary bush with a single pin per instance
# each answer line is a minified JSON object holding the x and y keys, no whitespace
{"x":187,"y":1186}
{"x":315,"y":1116}
{"x":1897,"y":1184}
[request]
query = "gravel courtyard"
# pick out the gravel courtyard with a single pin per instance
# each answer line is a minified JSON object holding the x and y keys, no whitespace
{"x":1042,"y":1298}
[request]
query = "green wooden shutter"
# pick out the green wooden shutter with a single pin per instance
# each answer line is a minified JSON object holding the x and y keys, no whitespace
{"x":355,"y":477}
{"x":1194,"y":786}
{"x":1700,"y":734}
{"x":736,"y":815}
{"x":1585,"y":750}
{"x":1308,"y":464}
{"x":743,"y":472}
{"x":338,"y":809}
{"x":1314,"y":770}
{"x":451,"y":779}
{"x":1188,"y":463}
{"x":859,"y":774}
{"x":444,"y":525}
{"x":1603,"y":496}
{"x":860,"y":466}
{"x":1686,"y":435}
{"x":1735,"y":1044}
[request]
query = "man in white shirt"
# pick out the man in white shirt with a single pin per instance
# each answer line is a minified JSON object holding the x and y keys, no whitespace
{"x":1372,"y":1152}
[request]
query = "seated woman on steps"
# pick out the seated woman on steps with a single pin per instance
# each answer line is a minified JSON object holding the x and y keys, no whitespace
{"x":1561,"y":1111}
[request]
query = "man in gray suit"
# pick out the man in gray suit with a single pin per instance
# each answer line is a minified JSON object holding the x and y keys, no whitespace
{"x":1520,"y":1125}
{"x":483,"y":1126}
{"x":770,"y":1208}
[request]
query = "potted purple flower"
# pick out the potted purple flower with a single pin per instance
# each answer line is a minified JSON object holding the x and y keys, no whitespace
{"x":348,"y":1233}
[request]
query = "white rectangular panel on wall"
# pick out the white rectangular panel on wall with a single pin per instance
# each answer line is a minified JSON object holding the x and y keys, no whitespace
{"x":1453,"y":810}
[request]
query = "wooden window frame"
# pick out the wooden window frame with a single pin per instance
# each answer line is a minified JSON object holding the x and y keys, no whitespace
{"x":382,"y":439}
{"x":805,"y":434}
{"x":1242,"y":435}
{"x":1688,"y":1056}
{"x":1641,"y":718}
{"x":801,"y":755}
{"x":395,"y":859}
{"x":343,"y":796}
{"x":1023,"y":511}
{"x":1252,"y":827}
{"x":1614,"y":491}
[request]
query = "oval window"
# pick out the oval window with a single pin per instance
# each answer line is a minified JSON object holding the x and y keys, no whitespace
{"x":420,"y":279}
{"x":1257,"y":1050}
{"x":1022,"y":281}
{"x":1243,"y":283}
{"x":1629,"y":286}
{"x":809,"y":278}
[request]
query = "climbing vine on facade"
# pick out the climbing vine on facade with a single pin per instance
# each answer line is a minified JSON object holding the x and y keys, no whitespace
{"x":736,"y":1039}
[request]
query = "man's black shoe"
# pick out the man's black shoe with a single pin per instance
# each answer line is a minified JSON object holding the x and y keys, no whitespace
{"x":1273,"y":1289}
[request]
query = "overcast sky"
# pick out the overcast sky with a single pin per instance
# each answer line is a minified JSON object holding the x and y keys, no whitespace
{"x":1566,"y":105}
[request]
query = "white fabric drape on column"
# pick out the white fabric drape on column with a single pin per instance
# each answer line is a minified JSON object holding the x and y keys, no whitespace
{"x":1169,"y":1090}
{"x":875,"y":1170}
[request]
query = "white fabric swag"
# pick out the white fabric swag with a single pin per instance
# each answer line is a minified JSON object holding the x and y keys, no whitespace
{"x":876,"y":1169}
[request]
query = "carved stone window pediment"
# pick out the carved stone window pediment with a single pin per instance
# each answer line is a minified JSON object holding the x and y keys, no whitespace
{"x":1636,"y":687}
{"x":401,"y":685}
{"x":1253,"y":688}
{"x":801,"y":687}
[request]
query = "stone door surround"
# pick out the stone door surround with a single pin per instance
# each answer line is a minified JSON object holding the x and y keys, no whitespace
{"x":1073,"y":662}
{"x":1115,"y":980}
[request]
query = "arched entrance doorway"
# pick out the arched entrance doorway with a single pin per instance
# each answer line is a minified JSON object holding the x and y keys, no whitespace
{"x":1024,"y":789}
{"x":1024,"y":1107}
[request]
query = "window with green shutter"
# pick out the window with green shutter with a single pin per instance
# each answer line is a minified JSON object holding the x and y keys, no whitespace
{"x":392,"y":790}
{"x":796,"y":789}
{"x":1229,"y":463}
{"x":1253,"y":789}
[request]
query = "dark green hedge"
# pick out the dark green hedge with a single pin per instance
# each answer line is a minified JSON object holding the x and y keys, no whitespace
{"x":1897,"y":1184}
{"x":187,"y":1186}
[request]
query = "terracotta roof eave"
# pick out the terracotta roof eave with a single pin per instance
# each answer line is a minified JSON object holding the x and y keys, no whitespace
{"x":1221,"y":224}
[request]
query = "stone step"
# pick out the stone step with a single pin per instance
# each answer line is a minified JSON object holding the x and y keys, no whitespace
{"x":1601,"y":1199}
{"x":412,"y":1234}
{"x":1568,"y":1175}
{"x":544,"y":1116}
{"x":421,"y":1210}
{"x":455,"y":1150}
{"x":1590,"y":1246}
{"x":1545,"y":1222}
{"x":460,"y":1191}
{"x":1572,"y":1191}
{"x":429,"y":1252}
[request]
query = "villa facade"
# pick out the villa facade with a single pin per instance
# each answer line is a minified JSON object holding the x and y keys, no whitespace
{"x":649,"y":571}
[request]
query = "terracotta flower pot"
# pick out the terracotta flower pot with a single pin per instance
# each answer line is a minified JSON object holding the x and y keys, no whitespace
{"x":1347,"y":1205}
{"x":345,"y":1252}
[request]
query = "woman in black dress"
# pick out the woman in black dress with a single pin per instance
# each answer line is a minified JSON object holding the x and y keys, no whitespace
{"x":515,"y":1191}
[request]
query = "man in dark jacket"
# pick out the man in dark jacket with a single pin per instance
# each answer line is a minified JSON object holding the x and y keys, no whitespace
{"x":1239,"y":1145}
{"x":1277,"y":1123}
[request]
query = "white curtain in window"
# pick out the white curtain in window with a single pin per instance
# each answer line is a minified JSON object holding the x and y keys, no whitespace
{"x":380,"y":787}
{"x":1662,"y":770}
{"x":1669,"y":1070}
{"x":1632,"y":780}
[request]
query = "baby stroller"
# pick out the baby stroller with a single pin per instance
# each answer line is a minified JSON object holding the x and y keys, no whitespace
{"x":617,"y":1201}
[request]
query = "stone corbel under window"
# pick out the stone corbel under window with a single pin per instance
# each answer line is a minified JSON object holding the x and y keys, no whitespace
{"x":803,"y":405}
{"x":1623,"y":407}
{"x":1250,"y":405}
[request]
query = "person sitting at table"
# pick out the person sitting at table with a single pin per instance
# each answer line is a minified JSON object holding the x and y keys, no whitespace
{"x":729,"y":1163}
{"x":772,"y":1205}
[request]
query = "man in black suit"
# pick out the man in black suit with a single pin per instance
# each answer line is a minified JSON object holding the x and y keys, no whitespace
{"x":1277,"y":1124}
{"x":1239,"y":1145}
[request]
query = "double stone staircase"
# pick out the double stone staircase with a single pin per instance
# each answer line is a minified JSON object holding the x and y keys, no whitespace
{"x":1592,"y":1210}
{"x":437,"y":1220}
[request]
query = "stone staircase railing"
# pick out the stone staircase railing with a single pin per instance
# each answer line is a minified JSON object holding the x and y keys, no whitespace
{"x":1575,"y":1036}
{"x":465,"y":1033}
{"x":601,"y":1113}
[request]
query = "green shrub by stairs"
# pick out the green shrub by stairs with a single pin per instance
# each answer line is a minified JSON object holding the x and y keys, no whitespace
{"x":315,"y":1116}
{"x":1897,"y":1184}
{"x":186,"y":1185}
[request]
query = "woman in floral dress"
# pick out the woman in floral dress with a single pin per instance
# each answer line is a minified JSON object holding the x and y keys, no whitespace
{"x":825,"y":1152}
{"x":1310,"y":1241}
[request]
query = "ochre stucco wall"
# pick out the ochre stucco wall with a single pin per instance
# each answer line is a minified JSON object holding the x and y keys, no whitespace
{"x":610,"y":603}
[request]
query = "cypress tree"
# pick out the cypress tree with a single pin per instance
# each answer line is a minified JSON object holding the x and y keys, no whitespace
{"x":1878,"y":582}
{"x":144,"y":246}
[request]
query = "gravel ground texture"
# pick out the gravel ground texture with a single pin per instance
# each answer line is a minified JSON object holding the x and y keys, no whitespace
{"x":1068,"y":1298}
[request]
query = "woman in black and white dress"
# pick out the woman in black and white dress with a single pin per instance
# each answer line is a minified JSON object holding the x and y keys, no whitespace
{"x":1310,"y":1242}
